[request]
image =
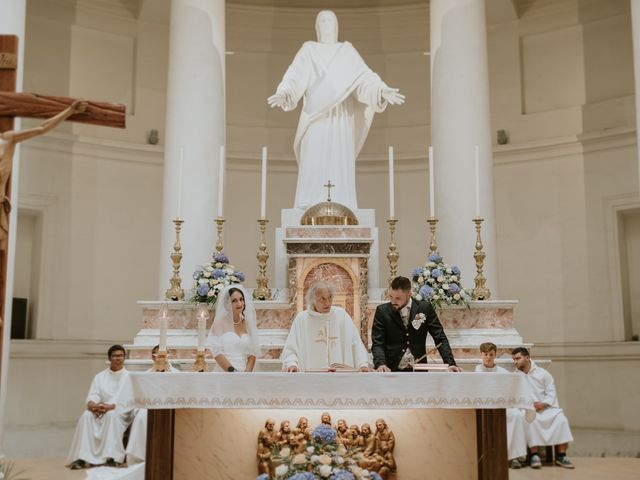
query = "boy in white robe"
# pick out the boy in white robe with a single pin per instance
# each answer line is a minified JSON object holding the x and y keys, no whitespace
{"x":322,"y":336}
{"x":99,"y":434}
{"x":550,"y":426}
{"x":516,"y":422}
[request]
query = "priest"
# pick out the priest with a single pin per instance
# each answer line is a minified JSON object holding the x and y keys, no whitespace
{"x":323,"y":336}
{"x":98,"y":439}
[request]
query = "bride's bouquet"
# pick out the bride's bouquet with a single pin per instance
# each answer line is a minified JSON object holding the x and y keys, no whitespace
{"x":212,"y":278}
{"x":438,"y":283}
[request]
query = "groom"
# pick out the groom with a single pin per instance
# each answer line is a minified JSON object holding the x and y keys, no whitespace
{"x":400,"y":328}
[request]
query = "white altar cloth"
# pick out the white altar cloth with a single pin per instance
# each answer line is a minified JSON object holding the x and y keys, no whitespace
{"x":276,"y":390}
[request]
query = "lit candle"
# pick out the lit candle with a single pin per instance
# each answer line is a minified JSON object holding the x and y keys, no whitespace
{"x":263,"y":185}
{"x":391,"y":189}
{"x":220,"y":181}
{"x":164,"y":320}
{"x":201,"y":327}
{"x":432,"y":194}
{"x":180,"y":181}
{"x":477,"y":181}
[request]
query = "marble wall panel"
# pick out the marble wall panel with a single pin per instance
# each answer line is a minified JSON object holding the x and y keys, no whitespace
{"x":327,"y":232}
{"x":221,"y":443}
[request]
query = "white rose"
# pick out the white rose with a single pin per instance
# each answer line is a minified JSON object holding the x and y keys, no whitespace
{"x":440,"y":291}
{"x":315,"y":458}
{"x":311,"y":449}
{"x":206,"y":274}
{"x":419,"y":297}
{"x":281,"y":470}
{"x":299,"y":459}
{"x":445,"y":286}
{"x":420,"y":279}
{"x":454,"y":278}
{"x":202,"y":281}
{"x":431,"y":265}
{"x":324,"y":470}
{"x":218,"y":265}
{"x":435,"y":297}
{"x":208,"y":268}
{"x":456,"y":296}
{"x":440,"y":279}
{"x":285,"y":452}
{"x":449,"y":271}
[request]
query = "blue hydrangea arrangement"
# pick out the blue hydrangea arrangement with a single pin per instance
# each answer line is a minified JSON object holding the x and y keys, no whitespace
{"x":212,"y":278}
{"x":438,"y":283}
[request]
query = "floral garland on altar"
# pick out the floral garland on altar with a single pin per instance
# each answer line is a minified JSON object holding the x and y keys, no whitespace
{"x":212,"y":278}
{"x":438,"y":283}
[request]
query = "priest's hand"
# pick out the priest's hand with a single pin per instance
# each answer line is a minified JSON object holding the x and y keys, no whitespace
{"x":383,"y":368}
{"x":393,"y":96}
{"x":365,"y":368}
{"x":293,"y":368}
{"x":454,"y":368}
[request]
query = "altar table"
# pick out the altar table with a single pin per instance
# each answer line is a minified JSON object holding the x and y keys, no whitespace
{"x":205,"y":425}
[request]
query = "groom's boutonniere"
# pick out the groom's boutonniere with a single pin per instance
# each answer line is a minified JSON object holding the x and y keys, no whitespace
{"x":418,"y":320}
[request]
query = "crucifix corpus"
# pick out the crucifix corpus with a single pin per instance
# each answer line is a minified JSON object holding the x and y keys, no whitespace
{"x":29,"y":105}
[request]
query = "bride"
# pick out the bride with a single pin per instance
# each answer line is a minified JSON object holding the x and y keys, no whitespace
{"x":233,"y":338}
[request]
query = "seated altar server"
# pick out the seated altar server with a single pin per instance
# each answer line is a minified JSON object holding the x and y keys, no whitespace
{"x":137,"y":445}
{"x":550,"y":426}
{"x":323,"y":335}
{"x":516,"y":421}
{"x":233,"y":338}
{"x":400,"y":329}
{"x":99,"y":435}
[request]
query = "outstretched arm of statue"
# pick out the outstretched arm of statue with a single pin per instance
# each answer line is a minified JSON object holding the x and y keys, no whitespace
{"x":78,"y":106}
{"x":393,"y":96}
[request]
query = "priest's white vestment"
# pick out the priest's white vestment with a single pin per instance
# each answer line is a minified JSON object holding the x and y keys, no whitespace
{"x":98,"y":439}
{"x":318,"y":340}
{"x":550,"y":426}
{"x":341,"y":96}
{"x":516,"y":422}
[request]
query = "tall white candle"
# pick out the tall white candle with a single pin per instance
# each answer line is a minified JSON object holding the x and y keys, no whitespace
{"x":432,"y":195}
{"x":164,"y":321}
{"x":391,"y":186}
{"x":180,"y":181}
{"x":201,"y":326}
{"x":263,"y":185}
{"x":221,"y":182}
{"x":477,"y":162}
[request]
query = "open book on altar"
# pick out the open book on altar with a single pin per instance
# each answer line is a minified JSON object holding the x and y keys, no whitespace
{"x":334,"y":367}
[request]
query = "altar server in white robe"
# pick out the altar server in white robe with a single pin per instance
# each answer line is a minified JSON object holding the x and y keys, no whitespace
{"x":137,"y":445}
{"x":341,"y":96}
{"x":517,"y":418}
{"x":323,"y":335}
{"x":550,"y":426}
{"x":99,"y":435}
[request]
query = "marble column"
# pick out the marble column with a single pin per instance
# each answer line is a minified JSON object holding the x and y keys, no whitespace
{"x":460,"y":120}
{"x":12,"y":22}
{"x":635,"y":27}
{"x":195,"y":124}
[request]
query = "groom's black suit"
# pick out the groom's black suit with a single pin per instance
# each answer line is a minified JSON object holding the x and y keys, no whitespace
{"x":390,"y":338}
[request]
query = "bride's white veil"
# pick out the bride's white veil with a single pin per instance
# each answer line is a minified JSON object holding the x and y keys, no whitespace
{"x":223,"y":320}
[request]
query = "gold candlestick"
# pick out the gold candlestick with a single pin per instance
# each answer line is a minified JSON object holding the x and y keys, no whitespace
{"x":220,"y":224}
{"x":480,"y":292}
{"x":175,"y":291}
{"x":433,"y":246}
{"x":160,"y":362}
{"x":392,"y":254}
{"x":200,"y":365}
{"x":262,"y":291}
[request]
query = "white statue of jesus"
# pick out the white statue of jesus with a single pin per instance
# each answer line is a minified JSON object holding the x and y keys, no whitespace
{"x":341,"y":95}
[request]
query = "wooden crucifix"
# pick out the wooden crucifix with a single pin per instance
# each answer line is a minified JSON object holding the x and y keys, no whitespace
{"x":55,"y":110}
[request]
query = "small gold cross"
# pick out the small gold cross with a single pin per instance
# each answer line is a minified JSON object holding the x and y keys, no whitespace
{"x":329,"y":186}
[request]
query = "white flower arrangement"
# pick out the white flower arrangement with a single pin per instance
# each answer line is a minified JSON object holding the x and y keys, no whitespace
{"x":212,"y":278}
{"x":438,"y":283}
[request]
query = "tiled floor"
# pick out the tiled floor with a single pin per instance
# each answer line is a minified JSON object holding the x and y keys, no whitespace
{"x":586,"y":469}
